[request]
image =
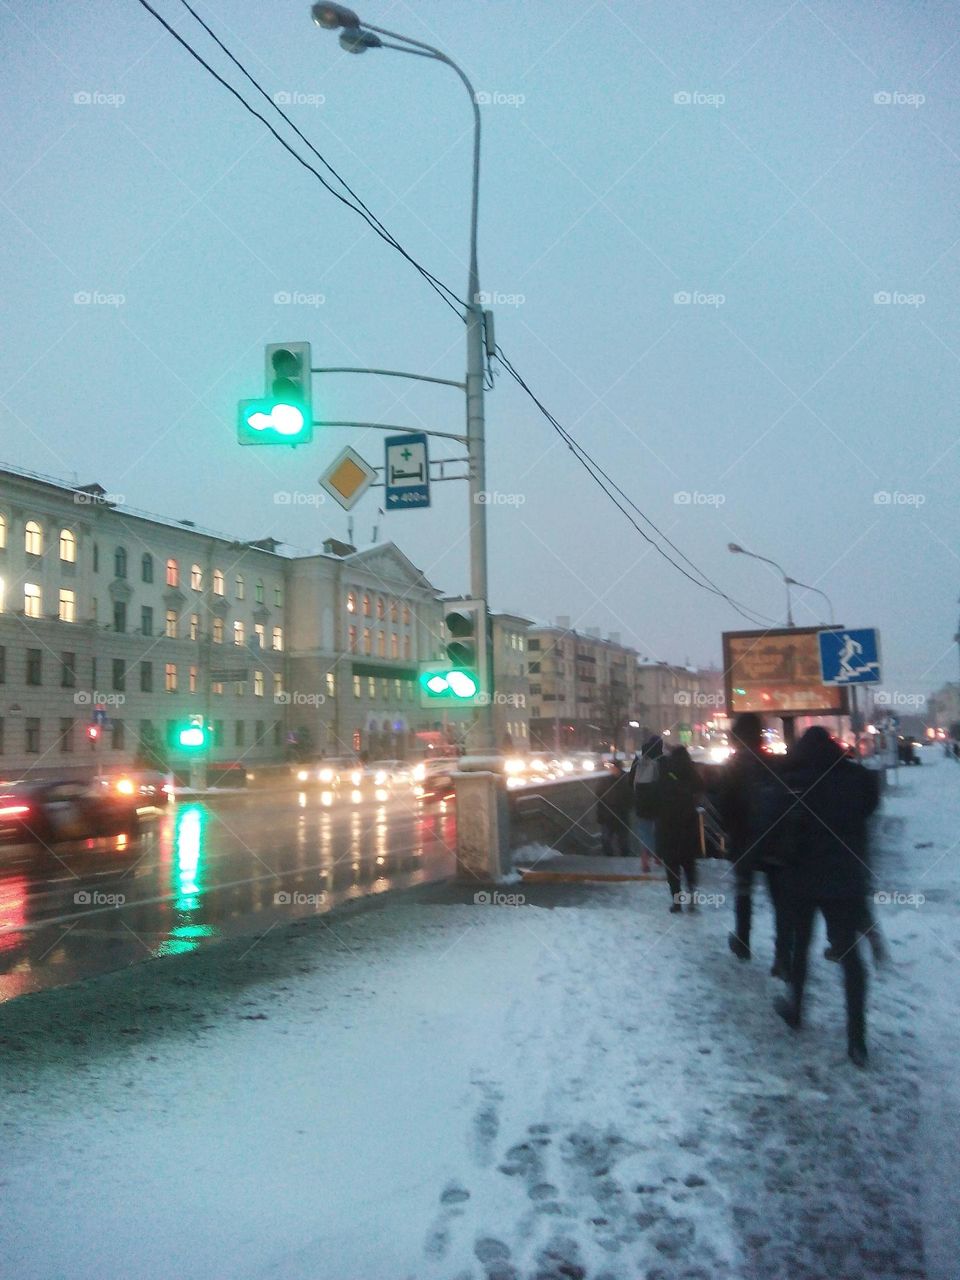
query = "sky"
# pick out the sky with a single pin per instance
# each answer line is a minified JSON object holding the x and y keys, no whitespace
{"x":721,"y":244}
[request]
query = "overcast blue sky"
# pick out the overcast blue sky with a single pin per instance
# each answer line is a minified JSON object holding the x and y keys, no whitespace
{"x":784,"y":164}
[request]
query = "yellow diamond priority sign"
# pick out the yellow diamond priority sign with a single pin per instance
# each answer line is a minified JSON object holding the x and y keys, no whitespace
{"x":348,"y":478}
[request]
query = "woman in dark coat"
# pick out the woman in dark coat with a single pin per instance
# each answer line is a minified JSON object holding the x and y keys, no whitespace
{"x":678,"y":824}
{"x":614,"y":803}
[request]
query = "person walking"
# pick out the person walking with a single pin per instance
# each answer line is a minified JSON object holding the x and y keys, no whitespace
{"x":614,"y":805}
{"x":829,"y":872}
{"x":644,"y":779}
{"x":678,"y":825}
{"x":751,"y":801}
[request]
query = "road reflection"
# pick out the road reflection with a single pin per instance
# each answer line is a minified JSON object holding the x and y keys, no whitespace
{"x":203,"y":871}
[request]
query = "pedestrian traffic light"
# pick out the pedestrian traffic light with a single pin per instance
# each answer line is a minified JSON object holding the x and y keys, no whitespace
{"x":193,"y":735}
{"x":462,"y":678}
{"x":93,"y":732}
{"x":284,"y":415}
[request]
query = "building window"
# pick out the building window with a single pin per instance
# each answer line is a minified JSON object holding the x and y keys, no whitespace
{"x":406,"y":646}
{"x":173,"y":573}
{"x":33,"y":539}
{"x":120,"y":562}
{"x":238,"y":633}
{"x":146,"y":620}
{"x":241,"y":587}
{"x":3,"y":531}
{"x":146,"y":567}
{"x":68,"y":605}
{"x":170,"y":677}
{"x":356,"y":686}
{"x":196,"y":577}
{"x":170,"y":625}
{"x":351,"y":602}
{"x":192,"y":680}
{"x":146,"y":677}
{"x":218,"y":733}
{"x":367,"y":641}
{"x":116,"y":735}
{"x":119,"y":675}
{"x":277,"y":732}
{"x":32,"y":734}
{"x":406,"y":615}
{"x":218,"y":582}
{"x":278,"y":597}
{"x":352,"y":639}
{"x":366,"y":606}
{"x":119,"y":616}
{"x":68,"y":670}
{"x":371,"y":686}
{"x":278,"y":638}
{"x":32,"y":600}
{"x":34,"y":667}
{"x":381,"y":644}
{"x":68,"y":546}
{"x":218,"y":631}
{"x":397,"y":690}
{"x":239,"y":733}
{"x":394,"y":612}
{"x":2,"y":594}
{"x":258,"y":684}
{"x":331,"y":685}
{"x":259,"y":730}
{"x":194,"y":626}
{"x":217,"y":687}
{"x":278,"y":685}
{"x":381,"y":609}
{"x":260,"y":635}
{"x":66,"y":735}
{"x":258,"y":591}
{"x":96,"y":558}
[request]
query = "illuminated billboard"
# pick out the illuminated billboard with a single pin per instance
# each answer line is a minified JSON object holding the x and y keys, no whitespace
{"x":778,"y":673}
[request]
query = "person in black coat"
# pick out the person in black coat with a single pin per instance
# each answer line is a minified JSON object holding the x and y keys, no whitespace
{"x":829,"y":871}
{"x":614,"y":807}
{"x":644,"y":778}
{"x":751,"y":801}
{"x":678,"y":824}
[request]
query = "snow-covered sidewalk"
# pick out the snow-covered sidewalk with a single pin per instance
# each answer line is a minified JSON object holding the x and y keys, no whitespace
{"x":575,"y":1084}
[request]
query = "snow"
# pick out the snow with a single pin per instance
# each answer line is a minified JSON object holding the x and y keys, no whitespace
{"x":563,"y":1081}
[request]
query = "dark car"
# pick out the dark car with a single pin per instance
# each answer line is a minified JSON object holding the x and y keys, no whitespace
{"x":433,"y":779}
{"x":49,"y":813}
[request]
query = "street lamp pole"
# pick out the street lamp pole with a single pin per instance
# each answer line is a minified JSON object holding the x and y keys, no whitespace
{"x":737,"y":549}
{"x":357,"y":38}
{"x":805,"y":586}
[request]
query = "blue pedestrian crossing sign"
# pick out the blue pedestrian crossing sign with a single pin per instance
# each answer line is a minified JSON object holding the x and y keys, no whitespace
{"x":850,"y":657}
{"x":406,"y":472}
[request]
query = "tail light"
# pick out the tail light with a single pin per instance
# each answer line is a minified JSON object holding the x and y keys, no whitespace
{"x":10,"y":810}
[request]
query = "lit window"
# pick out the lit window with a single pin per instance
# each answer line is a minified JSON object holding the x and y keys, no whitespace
{"x":196,"y":577}
{"x":258,"y":684}
{"x":170,"y":626}
{"x":381,"y":609}
{"x":366,"y":606}
{"x":193,"y":679}
{"x":238,"y":633}
{"x":381,"y":645}
{"x":367,"y":641}
{"x":68,"y":605}
{"x":356,"y":686}
{"x":406,"y":615}
{"x":260,"y":633}
{"x":33,"y":539}
{"x":371,"y":686}
{"x":278,"y":685}
{"x":394,"y":645}
{"x":406,"y":646}
{"x":170,"y":677}
{"x":394,"y":611}
{"x":331,"y":684}
{"x":241,"y":587}
{"x":351,"y":602}
{"x":352,"y":639}
{"x":32,"y":600}
{"x":173,"y":573}
{"x":217,"y":687}
{"x":218,"y":631}
{"x":68,"y":546}
{"x":218,"y":582}
{"x":278,"y":637}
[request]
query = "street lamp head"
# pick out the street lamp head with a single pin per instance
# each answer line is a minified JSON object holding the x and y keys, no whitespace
{"x":734,"y":546}
{"x":356,"y":40}
{"x":331,"y":16}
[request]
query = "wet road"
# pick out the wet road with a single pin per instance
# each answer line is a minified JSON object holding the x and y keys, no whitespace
{"x":207,"y":870}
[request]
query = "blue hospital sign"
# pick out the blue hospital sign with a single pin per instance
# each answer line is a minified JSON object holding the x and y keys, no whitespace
{"x":406,"y":472}
{"x":850,"y":657}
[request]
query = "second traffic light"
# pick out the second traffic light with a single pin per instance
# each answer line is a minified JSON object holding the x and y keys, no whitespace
{"x":285,"y":413}
{"x":461,"y":678}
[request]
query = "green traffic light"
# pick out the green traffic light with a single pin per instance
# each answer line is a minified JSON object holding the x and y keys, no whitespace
{"x":454,"y":686}
{"x":272,"y":422}
{"x":193,"y":737}
{"x":463,"y":684}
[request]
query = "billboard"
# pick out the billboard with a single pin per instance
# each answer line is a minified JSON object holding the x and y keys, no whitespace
{"x":778,"y":673}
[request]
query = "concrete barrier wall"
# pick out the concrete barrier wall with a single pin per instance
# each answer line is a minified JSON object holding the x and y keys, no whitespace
{"x":560,"y":814}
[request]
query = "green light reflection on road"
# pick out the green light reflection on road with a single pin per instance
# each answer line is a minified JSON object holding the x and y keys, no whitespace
{"x":188,"y":836}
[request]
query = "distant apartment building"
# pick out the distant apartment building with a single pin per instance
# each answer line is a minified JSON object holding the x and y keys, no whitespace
{"x":511,"y":706}
{"x":679,"y":702}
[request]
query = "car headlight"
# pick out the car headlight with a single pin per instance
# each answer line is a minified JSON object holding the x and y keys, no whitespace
{"x":380,"y":778}
{"x":356,"y":777}
{"x":419,"y":772}
{"x":125,"y":787}
{"x":302,"y":775}
{"x":325,"y":775}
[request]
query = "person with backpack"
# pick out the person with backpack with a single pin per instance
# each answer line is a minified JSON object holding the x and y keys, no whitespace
{"x":678,"y":825}
{"x":644,"y":779}
{"x":829,"y":872}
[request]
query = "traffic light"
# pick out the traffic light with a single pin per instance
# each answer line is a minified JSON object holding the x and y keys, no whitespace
{"x":461,"y":679}
{"x":193,"y":735}
{"x":93,"y":733}
{"x":284,"y":415}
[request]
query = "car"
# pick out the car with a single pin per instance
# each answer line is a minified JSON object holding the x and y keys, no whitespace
{"x":397,"y":774}
{"x":328,"y":773}
{"x":152,"y":791}
{"x":53,"y":812}
{"x":433,"y":779}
